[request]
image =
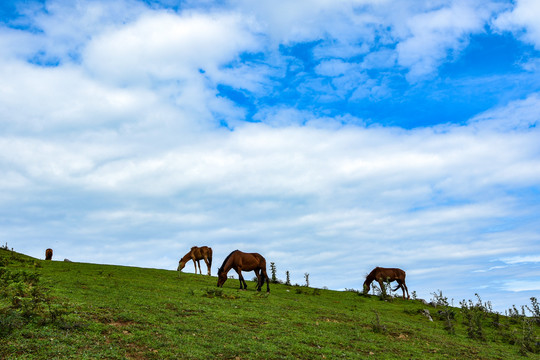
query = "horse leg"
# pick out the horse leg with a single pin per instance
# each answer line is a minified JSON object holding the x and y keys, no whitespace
{"x":259,"y":282}
{"x":207,"y":264}
{"x":405,"y":287}
{"x":267,"y":280}
{"x":198,"y":263}
{"x":241,"y":279}
{"x":402,"y":286}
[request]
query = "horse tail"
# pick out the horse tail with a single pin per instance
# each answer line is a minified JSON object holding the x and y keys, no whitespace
{"x":210,"y":257}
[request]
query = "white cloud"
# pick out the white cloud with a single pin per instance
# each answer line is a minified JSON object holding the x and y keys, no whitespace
{"x":522,"y":259}
{"x":523,"y":20}
{"x":162,"y":46}
{"x":61,"y":28}
{"x":38,"y":99}
{"x":522,"y":285}
{"x":434,"y":33}
{"x":423,"y":33}
{"x":517,"y":115}
{"x":290,"y":22}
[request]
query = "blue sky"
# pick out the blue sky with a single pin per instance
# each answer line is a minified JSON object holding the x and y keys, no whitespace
{"x":330,"y":137}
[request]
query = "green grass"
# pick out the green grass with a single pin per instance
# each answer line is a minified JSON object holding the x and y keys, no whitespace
{"x":89,"y":311}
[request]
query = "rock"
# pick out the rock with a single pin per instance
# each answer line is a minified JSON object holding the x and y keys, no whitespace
{"x":426,"y":313}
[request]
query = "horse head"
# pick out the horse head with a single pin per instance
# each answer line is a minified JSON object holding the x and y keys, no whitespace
{"x":181,"y":265}
{"x":222,"y":277}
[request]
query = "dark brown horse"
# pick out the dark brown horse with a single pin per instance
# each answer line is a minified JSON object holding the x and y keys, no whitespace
{"x":382,"y":275}
{"x":240,"y":261}
{"x":196,"y":254}
{"x":48,"y":254}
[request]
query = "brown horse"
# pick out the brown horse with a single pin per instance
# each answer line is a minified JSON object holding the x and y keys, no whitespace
{"x":48,"y":254}
{"x":196,"y":254}
{"x":382,"y":275}
{"x":240,"y":261}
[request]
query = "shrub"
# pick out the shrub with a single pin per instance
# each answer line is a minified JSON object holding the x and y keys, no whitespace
{"x":474,"y":314}
{"x":288,"y":278}
{"x":376,"y":325}
{"x":306,"y":277}
{"x":446,"y":313}
{"x":527,"y":340}
{"x":25,"y":300}
{"x":273,"y":279}
{"x":535,"y":310}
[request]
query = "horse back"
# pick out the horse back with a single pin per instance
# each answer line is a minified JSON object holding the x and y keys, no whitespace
{"x":250,"y":261}
{"x":389,"y":273}
{"x":200,"y":252}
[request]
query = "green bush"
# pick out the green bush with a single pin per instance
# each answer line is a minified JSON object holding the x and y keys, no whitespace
{"x":23,"y":300}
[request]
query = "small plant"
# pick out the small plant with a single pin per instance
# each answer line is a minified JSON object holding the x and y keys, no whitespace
{"x":448,"y":317}
{"x":210,"y":293}
{"x":9,"y":321}
{"x":306,"y":277}
{"x":288,"y":278}
{"x":299,"y":290}
{"x":446,"y":313}
{"x":514,"y":314}
{"x":25,"y":301}
{"x":474,"y":315}
{"x":385,"y":291}
{"x":535,"y":310}
{"x":413,"y":295}
{"x":376,"y":325}
{"x":439,"y":300}
{"x":527,"y":339}
{"x":358,"y":292}
{"x":273,"y":278}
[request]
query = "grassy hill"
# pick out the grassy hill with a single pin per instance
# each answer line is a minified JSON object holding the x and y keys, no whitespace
{"x":52,"y":309}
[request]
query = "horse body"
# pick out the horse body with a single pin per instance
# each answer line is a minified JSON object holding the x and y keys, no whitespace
{"x":196,"y":254}
{"x":240,"y":261}
{"x":48,"y":254}
{"x":382,"y":275}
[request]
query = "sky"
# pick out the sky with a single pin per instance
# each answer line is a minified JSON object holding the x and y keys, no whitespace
{"x":330,"y":137}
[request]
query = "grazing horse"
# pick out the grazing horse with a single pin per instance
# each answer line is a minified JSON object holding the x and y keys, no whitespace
{"x":240,"y":261}
{"x":48,"y":254}
{"x":382,"y":275}
{"x":196,"y":254}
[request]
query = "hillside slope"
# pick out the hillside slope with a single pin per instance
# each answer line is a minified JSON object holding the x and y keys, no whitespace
{"x":52,"y":309}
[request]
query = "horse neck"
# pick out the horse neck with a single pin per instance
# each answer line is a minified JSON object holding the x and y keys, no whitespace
{"x":186,"y":258}
{"x":369,"y":279}
{"x":227,"y":264}
{"x":372,"y":276}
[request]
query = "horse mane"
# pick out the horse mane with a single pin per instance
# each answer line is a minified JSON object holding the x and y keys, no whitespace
{"x":224,"y":261}
{"x":371,"y":276}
